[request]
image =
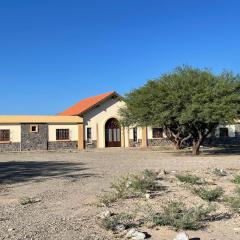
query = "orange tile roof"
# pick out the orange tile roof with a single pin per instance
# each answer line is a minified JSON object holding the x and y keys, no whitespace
{"x":86,"y":104}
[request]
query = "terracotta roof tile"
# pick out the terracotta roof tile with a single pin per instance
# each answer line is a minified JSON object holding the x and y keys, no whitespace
{"x":85,"y":104}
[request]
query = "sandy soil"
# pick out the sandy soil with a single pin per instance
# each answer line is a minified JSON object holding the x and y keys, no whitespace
{"x":66,"y":185}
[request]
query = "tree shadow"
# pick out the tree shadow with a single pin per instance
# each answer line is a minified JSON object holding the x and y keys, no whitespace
{"x":23,"y":171}
{"x":224,"y":150}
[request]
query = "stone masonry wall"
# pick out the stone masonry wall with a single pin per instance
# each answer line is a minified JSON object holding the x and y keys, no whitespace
{"x":10,"y":147}
{"x":62,"y":145}
{"x":135,"y":144}
{"x":158,"y":142}
{"x":34,"y":141}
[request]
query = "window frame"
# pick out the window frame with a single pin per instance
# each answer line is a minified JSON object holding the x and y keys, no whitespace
{"x":226,"y":131}
{"x":2,"y":137}
{"x":89,"y":135}
{"x":61,"y":137}
{"x":33,"y":125}
{"x":135,"y":134}
{"x":157,"y":136}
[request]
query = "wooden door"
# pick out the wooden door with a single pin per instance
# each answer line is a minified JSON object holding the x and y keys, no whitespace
{"x":112,"y":133}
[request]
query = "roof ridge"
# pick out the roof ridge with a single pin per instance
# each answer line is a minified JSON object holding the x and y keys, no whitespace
{"x":86,"y":104}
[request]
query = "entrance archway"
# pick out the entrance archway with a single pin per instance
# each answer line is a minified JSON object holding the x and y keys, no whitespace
{"x":112,"y":133}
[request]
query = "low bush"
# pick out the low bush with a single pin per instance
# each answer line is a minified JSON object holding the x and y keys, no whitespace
{"x":236,"y":179}
{"x":27,"y":200}
{"x":177,"y":215}
{"x":135,"y":184}
{"x":220,"y":172}
{"x":107,"y":198}
{"x":117,"y":222}
{"x":233,"y":203}
{"x":190,"y":179}
{"x":131,"y":185}
{"x":209,"y":194}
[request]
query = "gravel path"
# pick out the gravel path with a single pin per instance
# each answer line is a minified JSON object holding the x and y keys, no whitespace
{"x":66,"y":185}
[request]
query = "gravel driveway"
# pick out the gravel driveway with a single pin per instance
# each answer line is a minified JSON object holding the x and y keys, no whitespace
{"x":66,"y":185}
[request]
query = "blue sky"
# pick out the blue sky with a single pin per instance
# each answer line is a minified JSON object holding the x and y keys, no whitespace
{"x":55,"y":52}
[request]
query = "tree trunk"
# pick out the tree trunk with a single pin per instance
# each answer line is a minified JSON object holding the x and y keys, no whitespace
{"x":176,"y":145}
{"x":196,"y":147}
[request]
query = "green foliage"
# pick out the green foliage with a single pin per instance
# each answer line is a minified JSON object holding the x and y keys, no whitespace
{"x":135,"y":184}
{"x":190,"y":179}
{"x":121,"y":220}
{"x":236,"y":179}
{"x":131,"y":185}
{"x":27,"y":200}
{"x":178,"y":216}
{"x":233,"y":202}
{"x":209,"y":194}
{"x":220,"y":172}
{"x":186,"y":101}
{"x":107,"y":198}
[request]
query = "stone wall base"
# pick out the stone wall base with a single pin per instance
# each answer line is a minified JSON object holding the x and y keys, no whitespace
{"x":158,"y":142}
{"x":91,"y":145}
{"x":213,"y":141}
{"x":135,"y":144}
{"x":62,"y":145}
{"x":10,"y":147}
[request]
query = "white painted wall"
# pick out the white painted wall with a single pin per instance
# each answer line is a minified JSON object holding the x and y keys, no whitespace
{"x":99,"y":116}
{"x":73,"y":131}
{"x":231,"y":130}
{"x":139,"y":133}
{"x":15,"y":131}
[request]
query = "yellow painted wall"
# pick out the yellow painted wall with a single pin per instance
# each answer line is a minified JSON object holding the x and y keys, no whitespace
{"x":15,"y":131}
{"x":99,"y":116}
{"x":73,"y":131}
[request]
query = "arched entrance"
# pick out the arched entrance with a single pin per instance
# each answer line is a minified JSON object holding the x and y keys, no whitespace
{"x":112,"y":133}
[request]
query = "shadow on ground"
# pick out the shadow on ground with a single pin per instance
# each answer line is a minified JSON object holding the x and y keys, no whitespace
{"x":224,"y":150}
{"x":22,"y":171}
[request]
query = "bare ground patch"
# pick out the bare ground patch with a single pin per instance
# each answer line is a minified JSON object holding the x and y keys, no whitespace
{"x":66,"y":186}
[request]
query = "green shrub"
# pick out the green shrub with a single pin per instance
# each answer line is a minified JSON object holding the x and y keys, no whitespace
{"x":117,"y":222}
{"x":237,"y":191}
{"x":220,"y":172}
{"x":236,"y":179}
{"x":107,"y":198}
{"x":135,"y":184}
{"x":209,"y":194}
{"x":178,"y":216}
{"x":190,"y":179}
{"x":27,"y":200}
{"x":233,"y":203}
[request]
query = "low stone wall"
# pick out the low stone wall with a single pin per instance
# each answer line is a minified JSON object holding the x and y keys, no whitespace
{"x":135,"y":144}
{"x":214,"y":141}
{"x":31,"y":141}
{"x":90,"y":145}
{"x":62,"y":145}
{"x":158,"y":142}
{"x":10,"y":147}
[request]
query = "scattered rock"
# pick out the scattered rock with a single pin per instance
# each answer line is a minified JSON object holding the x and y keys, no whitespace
{"x":120,"y":228}
{"x":236,"y":229}
{"x":104,"y":214}
{"x":147,"y":195}
{"x":10,"y":229}
{"x":135,"y":235}
{"x":181,"y":236}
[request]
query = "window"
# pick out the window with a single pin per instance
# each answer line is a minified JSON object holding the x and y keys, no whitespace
{"x":4,"y":135}
{"x":89,"y":135}
{"x":135,"y":134}
{"x":157,"y":132}
{"x":62,"y":134}
{"x":33,"y":128}
{"x":223,"y":132}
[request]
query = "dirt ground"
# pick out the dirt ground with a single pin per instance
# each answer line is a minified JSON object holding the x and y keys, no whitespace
{"x":66,"y":184}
